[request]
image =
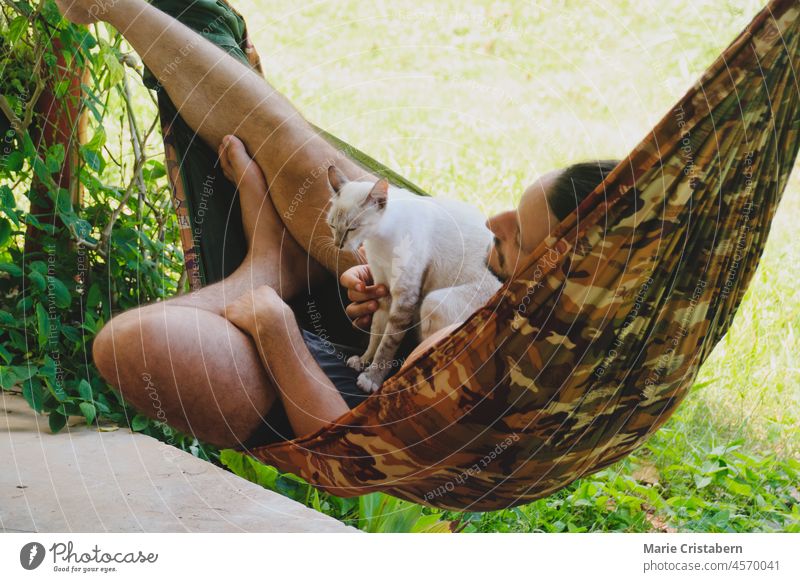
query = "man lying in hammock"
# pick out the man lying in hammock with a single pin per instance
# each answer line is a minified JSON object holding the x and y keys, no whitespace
{"x":228,"y":363}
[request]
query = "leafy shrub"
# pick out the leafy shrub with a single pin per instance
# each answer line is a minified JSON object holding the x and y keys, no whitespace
{"x":73,"y":254}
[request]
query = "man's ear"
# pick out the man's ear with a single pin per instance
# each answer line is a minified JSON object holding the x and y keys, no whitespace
{"x":379,"y":193}
{"x":336,"y":179}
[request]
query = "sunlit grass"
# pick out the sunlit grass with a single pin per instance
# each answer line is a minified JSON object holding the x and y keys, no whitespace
{"x":476,"y":101}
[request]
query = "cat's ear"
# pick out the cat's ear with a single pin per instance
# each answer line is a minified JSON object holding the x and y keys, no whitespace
{"x":379,"y":193}
{"x":336,"y":179}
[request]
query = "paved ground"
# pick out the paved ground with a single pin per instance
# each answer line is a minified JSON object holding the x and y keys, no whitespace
{"x":84,"y":480}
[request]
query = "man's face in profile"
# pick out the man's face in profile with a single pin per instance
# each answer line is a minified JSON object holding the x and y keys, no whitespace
{"x":518,"y":232}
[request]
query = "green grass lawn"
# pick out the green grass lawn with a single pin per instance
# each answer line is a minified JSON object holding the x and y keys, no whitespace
{"x":475,"y":100}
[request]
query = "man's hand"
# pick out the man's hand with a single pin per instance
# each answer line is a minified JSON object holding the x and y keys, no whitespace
{"x":85,"y":11}
{"x":363,"y":294}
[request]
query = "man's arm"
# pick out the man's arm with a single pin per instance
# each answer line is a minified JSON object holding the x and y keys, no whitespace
{"x":309,"y":397}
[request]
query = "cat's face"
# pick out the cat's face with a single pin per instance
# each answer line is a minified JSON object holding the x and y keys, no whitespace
{"x":356,"y":208}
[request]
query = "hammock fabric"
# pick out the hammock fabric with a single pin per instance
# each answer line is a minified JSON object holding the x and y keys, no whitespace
{"x":575,"y":362}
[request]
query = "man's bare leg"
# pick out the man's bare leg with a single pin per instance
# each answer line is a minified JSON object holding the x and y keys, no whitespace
{"x":218,"y":95}
{"x":180,"y":361}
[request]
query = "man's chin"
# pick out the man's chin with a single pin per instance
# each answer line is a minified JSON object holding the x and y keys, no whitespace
{"x":493,"y":271}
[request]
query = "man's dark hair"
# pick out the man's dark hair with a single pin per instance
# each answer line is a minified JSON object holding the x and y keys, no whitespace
{"x":575,"y":183}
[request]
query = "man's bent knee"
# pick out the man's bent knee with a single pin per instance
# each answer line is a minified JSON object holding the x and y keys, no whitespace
{"x":104,"y":348}
{"x":119,"y":345}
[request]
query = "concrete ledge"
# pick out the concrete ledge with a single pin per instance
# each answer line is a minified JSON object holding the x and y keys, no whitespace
{"x":84,"y":480}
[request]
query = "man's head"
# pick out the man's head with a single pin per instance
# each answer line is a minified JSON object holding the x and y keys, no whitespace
{"x":543,"y":205}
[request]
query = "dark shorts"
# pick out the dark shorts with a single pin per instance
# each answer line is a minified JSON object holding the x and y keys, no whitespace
{"x":332,"y":360}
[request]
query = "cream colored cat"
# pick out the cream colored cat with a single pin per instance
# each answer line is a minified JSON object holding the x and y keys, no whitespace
{"x":430,"y":253}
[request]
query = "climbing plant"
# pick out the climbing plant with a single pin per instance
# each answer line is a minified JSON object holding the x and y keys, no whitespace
{"x":86,"y":224}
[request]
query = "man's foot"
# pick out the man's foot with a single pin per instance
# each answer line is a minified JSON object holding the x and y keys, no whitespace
{"x":258,"y":311}
{"x":240,"y":168}
{"x":258,"y":214}
{"x":264,"y":230}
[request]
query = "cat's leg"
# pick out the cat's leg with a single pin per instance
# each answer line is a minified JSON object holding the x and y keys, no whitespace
{"x":379,"y":320}
{"x":405,"y":296}
{"x":434,"y":313}
{"x":444,"y":307}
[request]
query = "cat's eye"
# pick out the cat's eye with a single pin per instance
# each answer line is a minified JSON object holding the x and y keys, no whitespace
{"x":347,"y":232}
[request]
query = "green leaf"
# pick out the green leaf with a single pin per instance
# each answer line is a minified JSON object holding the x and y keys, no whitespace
{"x":402,"y":518}
{"x":292,"y":487}
{"x":49,"y":371}
{"x":721,"y":518}
{"x":38,"y":280}
{"x":85,"y":390}
{"x":93,"y":297}
{"x":101,"y":403}
{"x":139,"y":423}
{"x":16,"y":29}
{"x":368,"y":511}
{"x":52,"y":14}
{"x":60,"y":292}
{"x":61,"y":88}
{"x":88,"y":411}
{"x":71,"y":334}
{"x":57,"y":421}
{"x":7,"y":198}
{"x":38,"y":266}
{"x":83,"y":229}
{"x":41,"y":170}
{"x":97,"y":142}
{"x":739,"y":488}
{"x":250,"y":469}
{"x":94,"y":160}
{"x":7,"y":378}
{"x":14,"y":161}
{"x":5,"y":231}
{"x":43,"y":323}
{"x":85,"y":40}
{"x":33,"y":393}
{"x":24,"y":372}
{"x":18,"y":341}
{"x":701,"y":481}
{"x":63,"y":202}
{"x":153,"y":170}
{"x":92,"y":101}
{"x":11,"y":269}
{"x":115,"y":70}
{"x":92,"y":150}
{"x":33,"y":221}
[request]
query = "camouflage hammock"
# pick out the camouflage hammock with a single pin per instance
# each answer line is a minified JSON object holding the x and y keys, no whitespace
{"x":596,"y":341}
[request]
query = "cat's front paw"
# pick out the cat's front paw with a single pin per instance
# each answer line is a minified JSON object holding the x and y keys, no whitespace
{"x":367,"y":384}
{"x":356,"y":363}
